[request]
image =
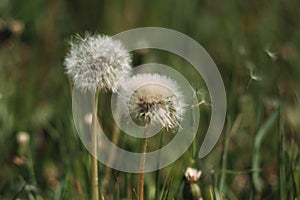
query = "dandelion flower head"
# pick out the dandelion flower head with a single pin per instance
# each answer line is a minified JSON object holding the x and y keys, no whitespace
{"x":153,"y":98}
{"x":97,"y":63}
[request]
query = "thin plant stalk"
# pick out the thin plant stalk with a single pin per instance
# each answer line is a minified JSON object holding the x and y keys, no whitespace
{"x":157,"y":183}
{"x":30,"y":165}
{"x":142,"y":167}
{"x":280,"y":156}
{"x":94,"y":174}
{"x":229,"y":133}
{"x":260,"y":135}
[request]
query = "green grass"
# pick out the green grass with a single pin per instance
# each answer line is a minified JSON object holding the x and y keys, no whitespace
{"x":257,"y":156}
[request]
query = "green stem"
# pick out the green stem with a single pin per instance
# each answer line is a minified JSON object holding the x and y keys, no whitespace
{"x":224,"y":158}
{"x":280,"y":156}
{"x":260,"y":135}
{"x":142,"y":167}
{"x":157,"y":183}
{"x":95,"y":195}
{"x":230,"y":131}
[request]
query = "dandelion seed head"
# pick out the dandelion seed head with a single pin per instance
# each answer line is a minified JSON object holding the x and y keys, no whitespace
{"x":153,"y":99}
{"x":97,"y":62}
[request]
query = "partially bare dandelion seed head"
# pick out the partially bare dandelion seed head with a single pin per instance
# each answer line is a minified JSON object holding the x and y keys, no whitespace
{"x":153,"y":99}
{"x":97,"y":62}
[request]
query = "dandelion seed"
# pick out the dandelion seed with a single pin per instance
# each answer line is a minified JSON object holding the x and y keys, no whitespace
{"x":153,"y":99}
{"x":203,"y":98}
{"x":272,"y":55}
{"x":255,"y":77}
{"x":97,"y":63}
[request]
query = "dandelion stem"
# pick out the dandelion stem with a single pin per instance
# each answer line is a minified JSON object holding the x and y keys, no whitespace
{"x":95,"y":195}
{"x":157,"y":183}
{"x":142,"y":168}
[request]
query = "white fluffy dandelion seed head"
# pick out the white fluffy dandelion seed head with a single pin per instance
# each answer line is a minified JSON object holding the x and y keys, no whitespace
{"x":97,"y":62}
{"x":154,"y":99}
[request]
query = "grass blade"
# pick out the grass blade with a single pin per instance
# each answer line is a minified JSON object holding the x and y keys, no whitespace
{"x":261,"y":133}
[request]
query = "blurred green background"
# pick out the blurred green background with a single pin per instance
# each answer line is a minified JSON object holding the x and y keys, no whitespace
{"x":255,"y":45}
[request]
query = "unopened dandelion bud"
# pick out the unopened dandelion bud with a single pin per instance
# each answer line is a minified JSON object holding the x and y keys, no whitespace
{"x":23,"y":140}
{"x":191,"y":189}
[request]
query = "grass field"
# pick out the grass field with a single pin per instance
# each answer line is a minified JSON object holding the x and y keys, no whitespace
{"x":255,"y":45}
